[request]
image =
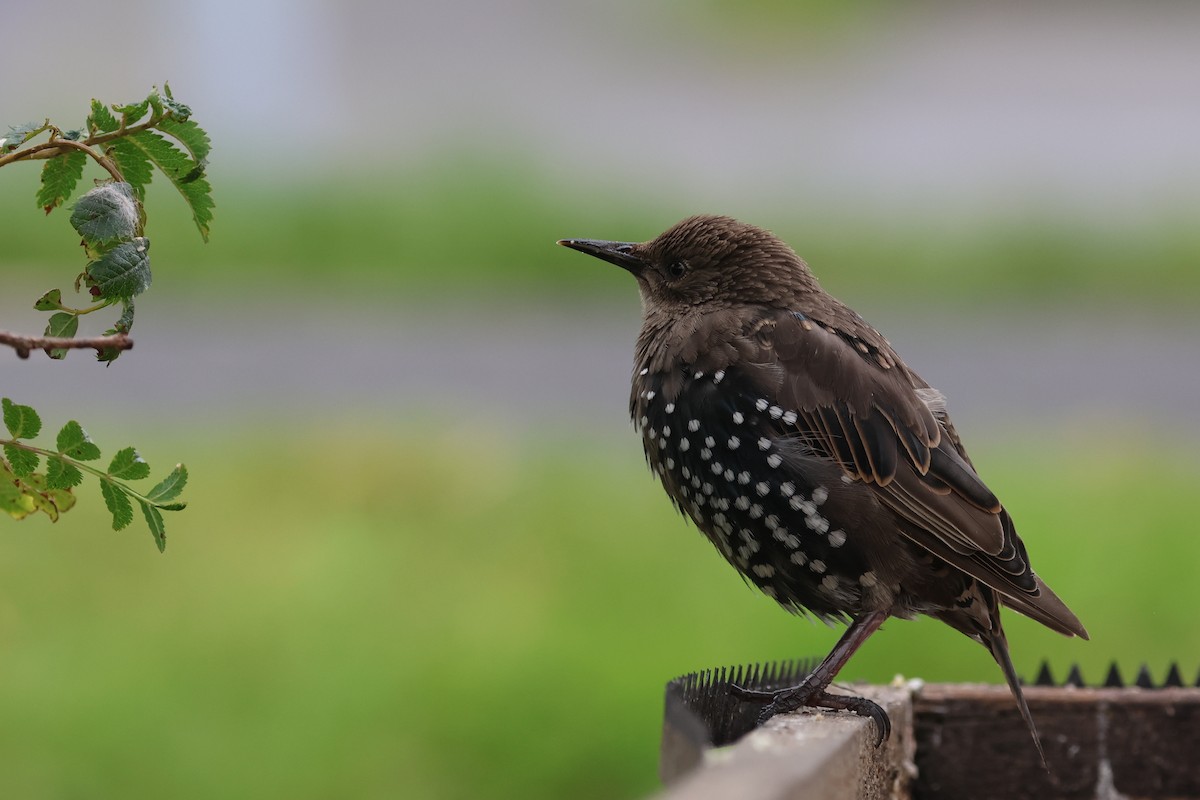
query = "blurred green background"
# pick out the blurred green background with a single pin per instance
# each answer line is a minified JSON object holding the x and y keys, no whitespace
{"x":423,"y":557}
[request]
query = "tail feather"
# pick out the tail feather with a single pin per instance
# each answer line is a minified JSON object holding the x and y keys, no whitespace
{"x":998,"y":644}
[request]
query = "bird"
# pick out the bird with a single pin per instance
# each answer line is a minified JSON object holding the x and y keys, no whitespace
{"x":822,"y":468}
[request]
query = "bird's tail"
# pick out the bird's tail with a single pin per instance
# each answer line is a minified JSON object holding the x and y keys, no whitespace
{"x":997,"y":642}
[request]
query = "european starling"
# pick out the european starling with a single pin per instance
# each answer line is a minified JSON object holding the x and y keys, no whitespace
{"x":821,"y":467}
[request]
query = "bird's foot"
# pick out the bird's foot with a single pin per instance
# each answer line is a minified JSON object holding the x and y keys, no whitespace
{"x":792,"y":698}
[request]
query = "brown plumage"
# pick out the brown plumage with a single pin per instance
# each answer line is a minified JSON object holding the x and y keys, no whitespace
{"x":820,"y":466}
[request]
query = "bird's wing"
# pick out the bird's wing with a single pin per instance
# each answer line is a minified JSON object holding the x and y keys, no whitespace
{"x":859,"y":405}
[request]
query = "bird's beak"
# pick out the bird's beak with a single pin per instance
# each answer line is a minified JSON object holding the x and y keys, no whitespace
{"x":623,"y":254}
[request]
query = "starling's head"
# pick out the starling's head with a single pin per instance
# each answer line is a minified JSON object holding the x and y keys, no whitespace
{"x":708,"y":260}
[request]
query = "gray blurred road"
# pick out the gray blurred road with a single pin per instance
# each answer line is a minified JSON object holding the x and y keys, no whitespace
{"x":554,"y":367}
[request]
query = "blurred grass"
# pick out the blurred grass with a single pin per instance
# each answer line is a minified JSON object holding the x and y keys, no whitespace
{"x":463,"y":613}
{"x":486,"y":225}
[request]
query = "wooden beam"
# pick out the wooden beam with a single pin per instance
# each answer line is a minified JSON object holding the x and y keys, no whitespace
{"x":1106,"y":743}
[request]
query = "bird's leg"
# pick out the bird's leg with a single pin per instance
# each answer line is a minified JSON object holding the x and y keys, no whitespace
{"x":811,"y":691}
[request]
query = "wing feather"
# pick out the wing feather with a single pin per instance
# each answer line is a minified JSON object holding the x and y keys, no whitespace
{"x":885,"y":427}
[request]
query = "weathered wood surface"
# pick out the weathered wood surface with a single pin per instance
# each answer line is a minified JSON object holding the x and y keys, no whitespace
{"x":809,"y":754}
{"x":1099,"y":743}
{"x":959,"y":741}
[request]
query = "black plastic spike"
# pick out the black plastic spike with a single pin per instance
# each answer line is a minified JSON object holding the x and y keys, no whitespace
{"x":1113,"y":680}
{"x":1144,"y":681}
{"x":1173,"y":679}
{"x":1044,"y":678}
{"x":1074,"y":677}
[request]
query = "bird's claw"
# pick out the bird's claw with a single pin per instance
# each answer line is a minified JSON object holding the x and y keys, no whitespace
{"x":785,"y":700}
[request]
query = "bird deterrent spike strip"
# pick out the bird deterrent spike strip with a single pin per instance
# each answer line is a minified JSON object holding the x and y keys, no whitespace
{"x":1143,"y":680}
{"x":1173,"y":679}
{"x":1113,"y":679}
{"x":704,"y":701}
{"x":1074,"y":678}
{"x":702,"y":707}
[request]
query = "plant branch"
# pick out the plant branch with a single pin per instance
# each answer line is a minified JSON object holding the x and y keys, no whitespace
{"x":88,"y":468}
{"x":55,"y":146}
{"x":24,"y":345}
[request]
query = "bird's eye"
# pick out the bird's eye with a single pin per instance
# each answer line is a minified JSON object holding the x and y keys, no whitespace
{"x":677,"y":268}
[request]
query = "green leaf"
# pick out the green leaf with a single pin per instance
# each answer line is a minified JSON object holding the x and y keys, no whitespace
{"x":177,"y":108}
{"x":59,"y":177}
{"x":169,"y":487}
{"x":107,"y":213}
{"x":127,"y":464}
{"x":101,"y":119}
{"x":181,"y":171}
{"x":190,"y":135}
{"x":50,"y":301}
{"x":45,"y":499}
{"x":133,"y":112}
{"x":133,"y":163}
{"x":19,"y":134}
{"x":156,"y":102}
{"x":62,"y":474}
{"x":14,"y":500}
{"x":23,"y":462}
{"x":123,"y":271}
{"x":74,"y":442}
{"x":62,"y":498}
{"x":118,"y":504}
{"x":22,"y":421}
{"x":124,"y":323}
{"x":63,"y":325}
{"x":157,"y":528}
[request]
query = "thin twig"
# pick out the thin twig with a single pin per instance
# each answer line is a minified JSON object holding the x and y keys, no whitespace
{"x":55,"y":146}
{"x":24,"y":345}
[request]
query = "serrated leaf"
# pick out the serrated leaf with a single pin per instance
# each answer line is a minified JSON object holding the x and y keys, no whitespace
{"x":22,"y":421}
{"x":133,"y":112}
{"x":50,"y":301}
{"x":169,"y":487}
{"x":64,"y":499}
{"x":59,"y":177}
{"x":118,"y":504}
{"x":23,"y":462}
{"x":107,"y":213}
{"x":123,"y":271}
{"x":190,"y":135}
{"x":44,"y":500}
{"x":156,"y":102}
{"x":124,"y":323}
{"x":181,"y":111}
{"x":14,"y":500}
{"x":157,"y":528}
{"x":101,"y":120}
{"x":63,"y":325}
{"x":18,"y":135}
{"x":61,"y":474}
{"x":127,"y":464}
{"x":74,"y":441}
{"x":180,"y":171}
{"x":133,"y":163}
